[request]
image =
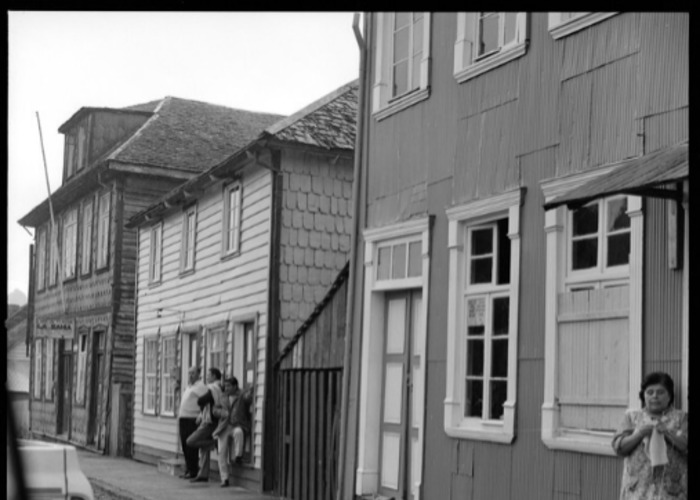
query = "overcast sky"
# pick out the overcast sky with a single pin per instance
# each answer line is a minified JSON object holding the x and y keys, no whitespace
{"x":61,"y":61}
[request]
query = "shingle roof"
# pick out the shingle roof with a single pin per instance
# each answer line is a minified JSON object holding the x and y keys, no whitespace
{"x":190,"y":135}
{"x":329,"y":122}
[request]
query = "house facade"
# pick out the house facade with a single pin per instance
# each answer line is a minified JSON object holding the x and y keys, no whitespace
{"x":82,"y":295}
{"x":232,"y":263}
{"x":521,"y":257}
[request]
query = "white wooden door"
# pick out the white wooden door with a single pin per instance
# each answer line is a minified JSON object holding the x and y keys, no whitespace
{"x":399,"y":418}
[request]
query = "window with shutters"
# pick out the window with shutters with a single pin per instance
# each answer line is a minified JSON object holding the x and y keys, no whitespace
{"x":155,"y":262}
{"x":592,"y":318}
{"x":41,"y":248}
{"x":486,"y":40}
{"x":54,"y":256}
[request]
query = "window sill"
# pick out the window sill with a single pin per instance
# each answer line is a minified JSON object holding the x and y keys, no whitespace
{"x":230,"y":255}
{"x":402,"y":103}
{"x":101,"y":270}
{"x":482,"y":431}
{"x":583,"y":442}
{"x":578,"y":24}
{"x":484,"y":65}
{"x":154,"y":284}
{"x":186,"y":272}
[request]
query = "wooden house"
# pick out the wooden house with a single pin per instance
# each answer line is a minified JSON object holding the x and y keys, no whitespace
{"x":522,"y":255}
{"x":232,"y":264}
{"x":82,"y":284}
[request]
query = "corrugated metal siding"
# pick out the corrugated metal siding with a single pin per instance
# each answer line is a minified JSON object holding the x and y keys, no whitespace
{"x":662,"y":290}
{"x":665,"y":128}
{"x":664,"y":68}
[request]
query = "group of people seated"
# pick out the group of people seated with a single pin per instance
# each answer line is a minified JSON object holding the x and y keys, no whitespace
{"x":212,"y":415}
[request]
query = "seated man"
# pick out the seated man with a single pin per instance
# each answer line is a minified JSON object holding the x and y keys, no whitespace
{"x":234,"y":422}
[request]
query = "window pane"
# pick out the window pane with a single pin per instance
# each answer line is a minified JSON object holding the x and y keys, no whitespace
{"x":398,"y":261}
{"x":482,"y":241}
{"x":618,"y":249}
{"x":384,"y":261}
{"x":585,"y":220}
{"x":402,"y":19}
{"x":473,"y":401}
{"x":488,"y":39}
{"x":401,"y":41}
{"x":617,"y":215}
{"x":475,"y":357}
{"x":475,"y":312}
{"x":499,"y":392}
{"x":510,"y":24}
{"x":481,"y":270}
{"x":500,"y":315}
{"x":415,"y":265}
{"x":585,"y":253}
{"x":503,"y":260}
{"x":400,"y":78}
{"x":499,"y":358}
{"x":418,"y":35}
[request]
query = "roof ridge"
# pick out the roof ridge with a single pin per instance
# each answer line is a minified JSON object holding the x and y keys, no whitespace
{"x":153,"y":117}
{"x":307,"y":110}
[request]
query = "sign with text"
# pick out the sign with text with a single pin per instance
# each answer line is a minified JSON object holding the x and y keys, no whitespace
{"x":54,"y":328}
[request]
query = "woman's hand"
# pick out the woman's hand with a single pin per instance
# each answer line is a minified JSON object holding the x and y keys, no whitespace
{"x":645,"y":430}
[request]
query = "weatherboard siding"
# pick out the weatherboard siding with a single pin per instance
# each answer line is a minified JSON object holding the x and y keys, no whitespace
{"x":566,"y":106}
{"x":218,"y":290}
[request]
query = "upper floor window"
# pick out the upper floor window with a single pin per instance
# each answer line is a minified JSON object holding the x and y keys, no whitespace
{"x":565,"y":23}
{"x":41,"y":259}
{"x":232,"y":219}
{"x":103,"y":216}
{"x":483,"y":306}
{"x":86,"y":238}
{"x":189,"y":231}
{"x":54,"y":262}
{"x":75,"y":149}
{"x":486,"y":40}
{"x":156,"y":254}
{"x":401,"y":61}
{"x":70,"y":244}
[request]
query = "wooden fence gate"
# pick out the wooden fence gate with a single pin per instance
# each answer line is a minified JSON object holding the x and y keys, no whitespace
{"x":308,"y":428}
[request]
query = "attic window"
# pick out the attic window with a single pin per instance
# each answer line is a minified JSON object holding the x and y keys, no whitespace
{"x":76,"y":149}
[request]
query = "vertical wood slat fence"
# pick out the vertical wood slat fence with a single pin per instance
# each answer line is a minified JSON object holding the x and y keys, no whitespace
{"x":308,"y":428}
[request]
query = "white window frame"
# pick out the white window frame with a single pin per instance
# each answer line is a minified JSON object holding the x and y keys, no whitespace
{"x":38,"y":366}
{"x":81,"y":376}
{"x":103,"y":226}
{"x":367,"y":474}
{"x":86,"y":237}
{"x":554,"y":436}
{"x":560,"y":25}
{"x":231,"y":224}
{"x":54,"y":254}
{"x":168,"y":360}
{"x":242,"y":348}
{"x":155,"y":258}
{"x":460,"y":219}
{"x":41,"y":245}
{"x":70,"y":244}
{"x":189,"y":239}
{"x":49,"y":384}
{"x":383,"y":103}
{"x":150,"y":374}
{"x":467,"y":62}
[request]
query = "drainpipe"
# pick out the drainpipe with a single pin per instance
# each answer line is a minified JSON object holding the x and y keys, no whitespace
{"x":357,"y":178}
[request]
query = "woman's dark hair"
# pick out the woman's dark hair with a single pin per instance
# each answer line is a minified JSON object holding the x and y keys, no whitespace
{"x":232,"y":381}
{"x":216,"y":372}
{"x":657,"y":378}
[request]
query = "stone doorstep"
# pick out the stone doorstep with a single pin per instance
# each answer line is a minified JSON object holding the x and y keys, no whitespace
{"x":171,"y":466}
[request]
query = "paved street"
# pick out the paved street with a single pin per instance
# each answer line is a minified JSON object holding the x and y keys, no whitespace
{"x":115,"y":478}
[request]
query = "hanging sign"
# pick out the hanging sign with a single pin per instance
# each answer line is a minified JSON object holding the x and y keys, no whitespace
{"x":54,"y":328}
